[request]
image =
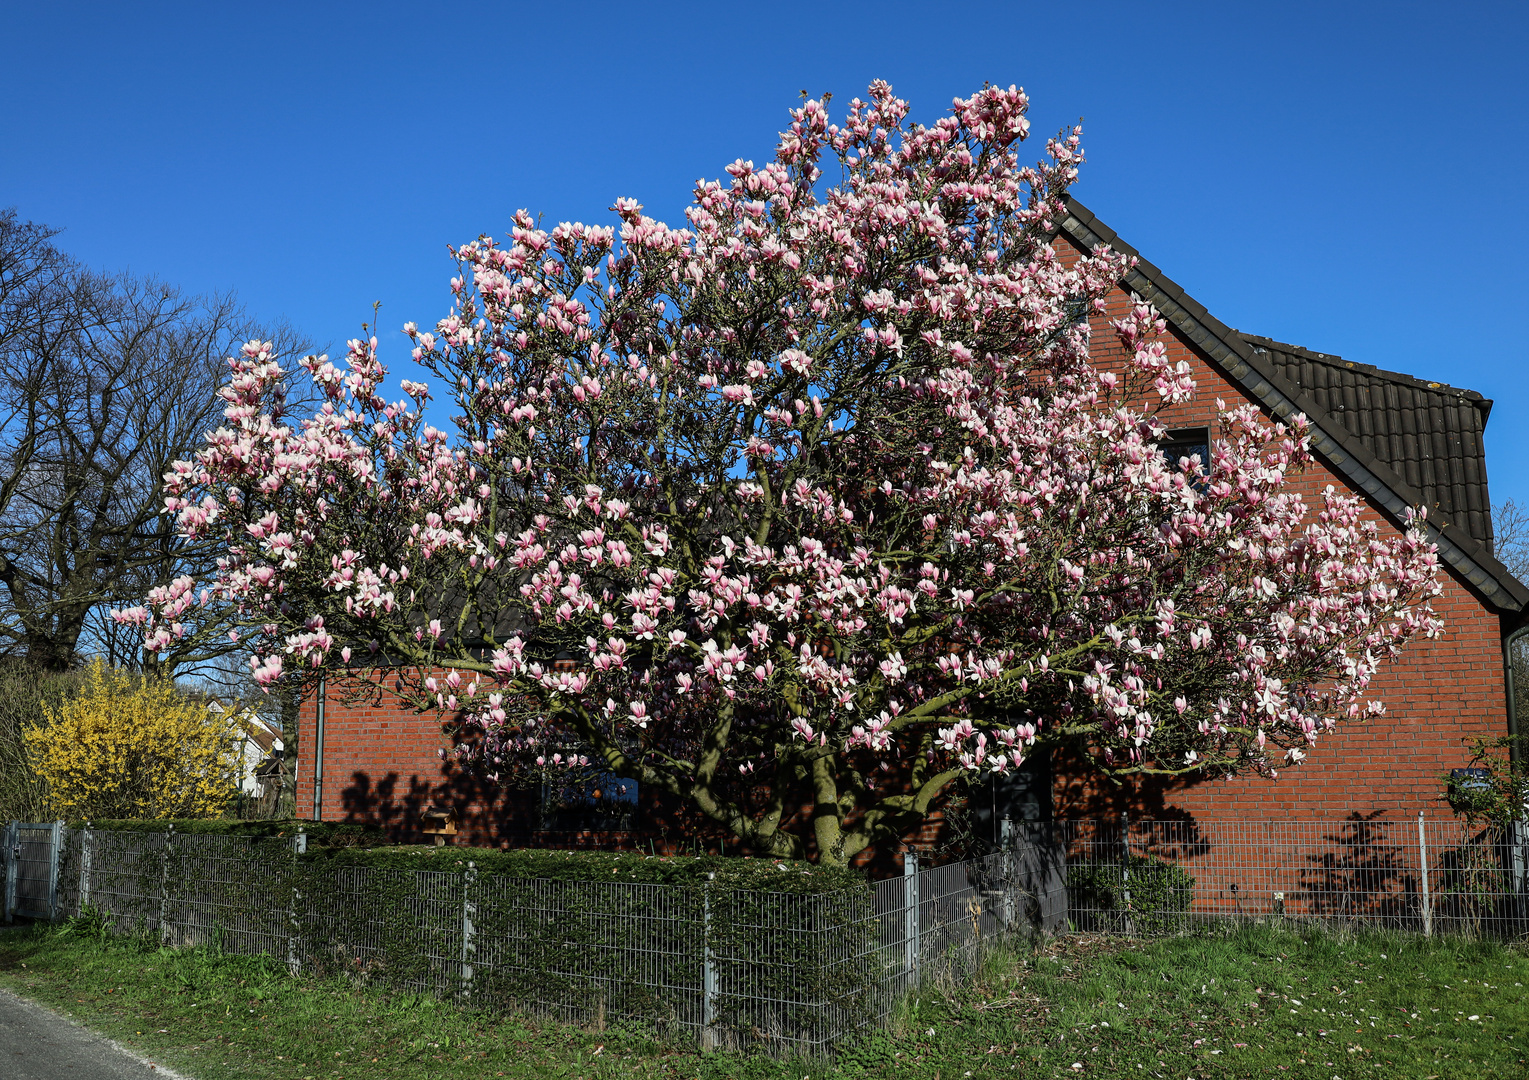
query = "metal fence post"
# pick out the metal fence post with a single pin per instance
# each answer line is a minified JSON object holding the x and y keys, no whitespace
{"x":708,"y":971}
{"x":911,"y":919}
{"x":1423,"y":864}
{"x":299,"y":847}
{"x":12,"y":854}
{"x":469,"y":909}
{"x":1518,"y":842}
{"x":85,"y":838}
{"x":56,"y":838}
{"x":1009,"y":847}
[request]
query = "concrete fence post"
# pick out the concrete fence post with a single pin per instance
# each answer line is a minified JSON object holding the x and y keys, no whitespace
{"x":1125,"y":869}
{"x":469,"y":948}
{"x":911,"y":918}
{"x":1423,"y":866}
{"x":708,"y":972}
{"x":55,"y":846}
{"x":86,"y":843}
{"x":12,"y":854}
{"x":294,"y":960}
{"x":1008,"y":841}
{"x":1518,"y":849}
{"x":164,"y":886}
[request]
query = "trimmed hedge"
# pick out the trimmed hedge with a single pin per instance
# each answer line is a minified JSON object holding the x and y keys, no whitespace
{"x":778,"y":876}
{"x":330,"y":833}
{"x":367,"y":845}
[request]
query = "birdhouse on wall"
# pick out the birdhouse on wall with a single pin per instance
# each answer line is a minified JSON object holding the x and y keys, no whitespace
{"x":440,"y":824}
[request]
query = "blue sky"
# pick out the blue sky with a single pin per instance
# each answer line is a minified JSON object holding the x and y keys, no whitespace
{"x":1346,"y":176}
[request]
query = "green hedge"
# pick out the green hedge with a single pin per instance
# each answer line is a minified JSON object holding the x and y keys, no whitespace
{"x":331,"y":833}
{"x":779,"y":876}
{"x":367,"y":845}
{"x":1160,"y":896}
{"x":790,"y":934}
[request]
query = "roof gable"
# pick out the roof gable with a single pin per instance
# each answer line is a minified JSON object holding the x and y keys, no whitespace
{"x":1431,"y":434}
{"x":1375,"y":456}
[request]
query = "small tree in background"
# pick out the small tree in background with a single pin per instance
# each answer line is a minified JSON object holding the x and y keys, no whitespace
{"x":805,"y":512}
{"x":130,"y":746}
{"x":1510,"y":531}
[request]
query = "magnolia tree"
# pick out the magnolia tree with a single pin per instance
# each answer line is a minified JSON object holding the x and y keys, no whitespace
{"x":804,"y":512}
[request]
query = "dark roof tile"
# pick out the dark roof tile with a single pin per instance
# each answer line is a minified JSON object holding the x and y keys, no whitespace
{"x":1430,"y":433}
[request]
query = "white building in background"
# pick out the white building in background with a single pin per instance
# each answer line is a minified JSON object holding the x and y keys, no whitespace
{"x":258,"y":746}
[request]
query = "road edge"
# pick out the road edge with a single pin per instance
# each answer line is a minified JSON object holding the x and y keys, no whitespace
{"x":158,"y":1068}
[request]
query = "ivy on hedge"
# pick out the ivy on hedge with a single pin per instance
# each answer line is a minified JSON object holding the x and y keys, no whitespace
{"x":575,"y":933}
{"x":1146,"y":895}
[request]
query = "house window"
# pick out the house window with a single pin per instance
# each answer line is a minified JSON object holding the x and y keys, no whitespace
{"x":1186,"y":443}
{"x":599,"y":802}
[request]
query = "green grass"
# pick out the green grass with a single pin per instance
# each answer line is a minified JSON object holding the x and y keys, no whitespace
{"x":1254,"y":1003}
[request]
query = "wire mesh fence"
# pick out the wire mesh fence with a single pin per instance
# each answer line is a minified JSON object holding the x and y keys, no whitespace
{"x":214,"y":891}
{"x":733,"y":966}
{"x":1148,"y":877}
{"x":588,"y":950}
{"x":787,"y":969}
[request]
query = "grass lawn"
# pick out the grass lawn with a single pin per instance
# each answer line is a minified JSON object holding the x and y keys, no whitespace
{"x":1251,"y":1003}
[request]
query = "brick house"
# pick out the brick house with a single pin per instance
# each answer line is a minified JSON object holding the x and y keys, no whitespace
{"x":1399,"y":441}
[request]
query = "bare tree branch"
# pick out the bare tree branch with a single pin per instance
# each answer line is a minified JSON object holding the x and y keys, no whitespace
{"x":1510,"y":527}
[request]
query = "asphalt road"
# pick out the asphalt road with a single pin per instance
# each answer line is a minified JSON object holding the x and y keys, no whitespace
{"x":38,"y":1044}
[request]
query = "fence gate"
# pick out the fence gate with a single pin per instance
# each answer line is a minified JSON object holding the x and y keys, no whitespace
{"x":31,"y":869}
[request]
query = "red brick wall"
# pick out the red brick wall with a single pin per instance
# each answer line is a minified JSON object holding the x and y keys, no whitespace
{"x":1439,"y":696}
{"x":380,"y":761}
{"x":382,"y":766}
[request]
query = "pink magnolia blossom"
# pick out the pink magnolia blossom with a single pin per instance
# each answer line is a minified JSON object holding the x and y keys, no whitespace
{"x":823,"y":486}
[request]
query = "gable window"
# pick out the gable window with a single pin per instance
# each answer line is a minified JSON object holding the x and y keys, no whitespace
{"x":1186,"y":443}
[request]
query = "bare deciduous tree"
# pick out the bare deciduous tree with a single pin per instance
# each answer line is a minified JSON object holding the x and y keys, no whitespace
{"x":105,"y":379}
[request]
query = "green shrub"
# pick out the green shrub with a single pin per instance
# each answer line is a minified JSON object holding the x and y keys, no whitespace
{"x":1144,"y":896}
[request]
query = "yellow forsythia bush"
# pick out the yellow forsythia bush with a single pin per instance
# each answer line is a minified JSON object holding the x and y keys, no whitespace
{"x":125,"y":746}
